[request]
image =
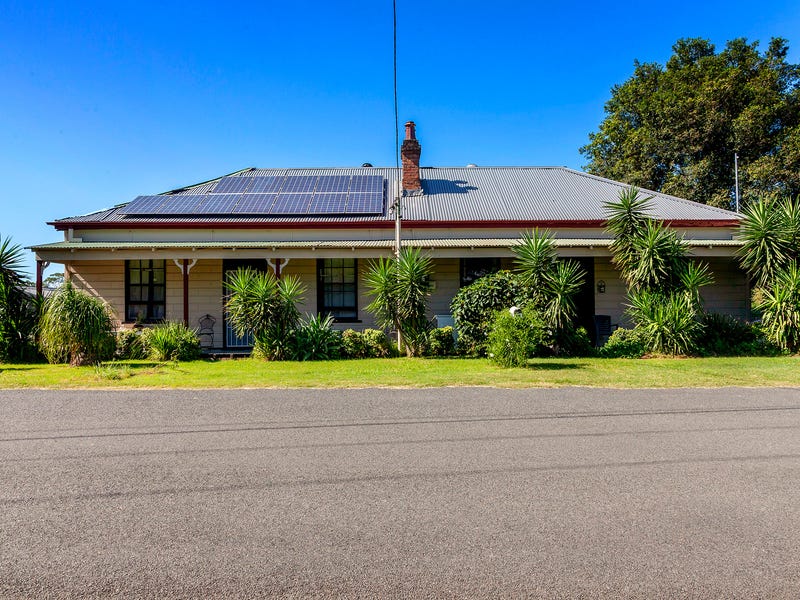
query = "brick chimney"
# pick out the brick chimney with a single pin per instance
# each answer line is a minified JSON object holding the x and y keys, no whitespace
{"x":409,"y":152}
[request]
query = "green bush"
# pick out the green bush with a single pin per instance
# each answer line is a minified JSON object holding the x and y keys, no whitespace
{"x":514,"y":339}
{"x":316,"y":339}
{"x":19,"y":311}
{"x":474,"y":307}
{"x":353,"y":344}
{"x":171,"y":341}
{"x":441,"y":342}
{"x":370,"y":343}
{"x":574,"y":342}
{"x":724,"y":335}
{"x":623,"y":343}
{"x":76,"y":328}
{"x":129,"y":345}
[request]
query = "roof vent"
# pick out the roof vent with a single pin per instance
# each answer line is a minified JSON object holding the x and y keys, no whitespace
{"x":367,"y":165}
{"x":471,"y":165}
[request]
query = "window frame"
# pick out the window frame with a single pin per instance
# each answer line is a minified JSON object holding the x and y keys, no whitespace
{"x":322,"y":307}
{"x":150,"y":287}
{"x":489,"y":264}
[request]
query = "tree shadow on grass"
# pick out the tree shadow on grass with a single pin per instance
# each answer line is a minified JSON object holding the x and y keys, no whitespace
{"x":554,"y":366}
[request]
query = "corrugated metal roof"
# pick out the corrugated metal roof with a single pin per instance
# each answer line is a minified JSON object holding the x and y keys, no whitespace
{"x":322,"y":244}
{"x":466,"y":194}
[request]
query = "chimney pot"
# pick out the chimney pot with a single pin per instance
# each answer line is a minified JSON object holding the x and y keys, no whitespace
{"x":410,"y":130}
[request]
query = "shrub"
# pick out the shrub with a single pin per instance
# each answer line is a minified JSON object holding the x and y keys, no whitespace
{"x":441,"y":342}
{"x":377,"y":344}
{"x":724,"y":335}
{"x":316,"y":339}
{"x":353,"y":344}
{"x":129,"y":345}
{"x":76,"y":328}
{"x":171,"y":341}
{"x":474,"y":307}
{"x":514,"y":339}
{"x":623,"y":343}
{"x":574,"y":342}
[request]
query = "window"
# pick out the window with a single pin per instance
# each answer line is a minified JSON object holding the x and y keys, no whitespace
{"x":475,"y":268}
{"x":145,"y":290}
{"x":337,"y":289}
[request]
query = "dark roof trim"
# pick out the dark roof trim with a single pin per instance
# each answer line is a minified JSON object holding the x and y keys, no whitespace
{"x":387,"y":224}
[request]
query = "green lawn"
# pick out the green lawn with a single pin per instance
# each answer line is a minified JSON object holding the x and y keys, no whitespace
{"x":406,"y":372}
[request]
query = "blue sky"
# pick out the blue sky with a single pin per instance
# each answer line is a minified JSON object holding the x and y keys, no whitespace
{"x":104,"y":101}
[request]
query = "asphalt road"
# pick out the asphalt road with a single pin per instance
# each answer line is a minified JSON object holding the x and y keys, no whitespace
{"x":400,"y":493}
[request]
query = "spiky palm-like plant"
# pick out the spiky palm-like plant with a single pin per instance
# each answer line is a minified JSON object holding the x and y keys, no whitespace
{"x":627,"y":217}
{"x":770,"y":232}
{"x":259,"y":303}
{"x":779,"y":304}
{"x":18,"y":310}
{"x":553,"y":283}
{"x":76,"y":328}
{"x":400,"y":289}
{"x":669,"y":323}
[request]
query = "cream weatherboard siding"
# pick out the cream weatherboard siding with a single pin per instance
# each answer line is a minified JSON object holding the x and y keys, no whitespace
{"x":101,"y":279}
{"x":730,"y":292}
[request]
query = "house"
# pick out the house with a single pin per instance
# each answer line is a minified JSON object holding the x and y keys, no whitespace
{"x":166,"y":256}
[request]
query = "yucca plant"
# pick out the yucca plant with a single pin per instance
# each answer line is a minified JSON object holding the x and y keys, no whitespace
{"x":668,"y":324}
{"x":400,"y":290}
{"x":76,"y":328}
{"x":18,"y":310}
{"x":627,"y":217}
{"x":769,"y":232}
{"x":779,"y":304}
{"x":259,"y":303}
{"x":553,"y":284}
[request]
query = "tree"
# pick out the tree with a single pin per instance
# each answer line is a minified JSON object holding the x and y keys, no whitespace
{"x":400,"y":289}
{"x":675,"y":128}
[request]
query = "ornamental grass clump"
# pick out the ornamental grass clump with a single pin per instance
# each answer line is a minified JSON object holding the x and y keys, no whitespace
{"x":76,"y":328}
{"x":171,"y":341}
{"x":316,"y":339}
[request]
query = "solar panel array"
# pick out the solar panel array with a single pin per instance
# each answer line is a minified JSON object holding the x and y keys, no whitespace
{"x":273,"y":195}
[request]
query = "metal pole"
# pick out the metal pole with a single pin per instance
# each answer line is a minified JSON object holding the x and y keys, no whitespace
{"x":736,"y":176}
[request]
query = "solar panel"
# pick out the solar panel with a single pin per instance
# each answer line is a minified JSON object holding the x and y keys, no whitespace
{"x":265,"y":185}
{"x":332,"y":183}
{"x":326,"y":204}
{"x":254,"y":204}
{"x":366,"y":183}
{"x":299,"y":184}
{"x":363,"y":203}
{"x":232,"y":185}
{"x":143,"y":205}
{"x":291,"y":204}
{"x":180,"y":204}
{"x":219,"y":203}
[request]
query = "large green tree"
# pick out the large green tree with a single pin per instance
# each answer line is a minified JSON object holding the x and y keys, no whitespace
{"x":675,"y":128}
